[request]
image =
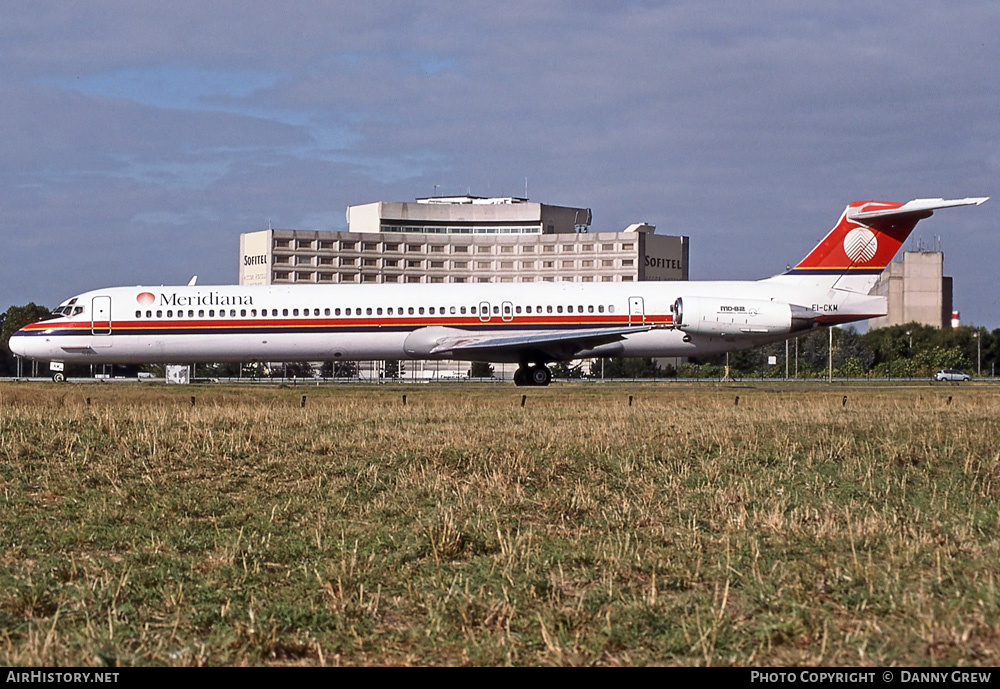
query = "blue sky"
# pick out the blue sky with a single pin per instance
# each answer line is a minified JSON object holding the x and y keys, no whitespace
{"x":137,"y":142}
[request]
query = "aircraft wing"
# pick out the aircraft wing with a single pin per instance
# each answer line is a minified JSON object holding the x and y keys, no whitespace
{"x":541,"y":345}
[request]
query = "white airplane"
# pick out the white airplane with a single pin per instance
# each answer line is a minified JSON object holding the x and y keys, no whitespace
{"x":530,"y":324}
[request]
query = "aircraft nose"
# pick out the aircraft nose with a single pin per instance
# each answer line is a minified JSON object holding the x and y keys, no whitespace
{"x":20,"y":344}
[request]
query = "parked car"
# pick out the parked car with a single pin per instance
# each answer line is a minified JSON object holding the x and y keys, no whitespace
{"x":951,"y":374}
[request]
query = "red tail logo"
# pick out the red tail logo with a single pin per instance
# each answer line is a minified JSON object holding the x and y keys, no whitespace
{"x":858,"y":244}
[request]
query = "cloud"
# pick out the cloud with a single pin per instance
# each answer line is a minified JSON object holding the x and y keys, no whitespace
{"x":178,"y":126}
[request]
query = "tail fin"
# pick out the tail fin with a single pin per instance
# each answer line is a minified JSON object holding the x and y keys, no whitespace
{"x":865,"y":240}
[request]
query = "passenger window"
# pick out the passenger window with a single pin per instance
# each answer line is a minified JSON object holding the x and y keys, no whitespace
{"x":548,"y":309}
{"x":159,"y":314}
{"x":420,"y":310}
{"x":170,"y":313}
{"x":558,"y":309}
{"x":201,"y":313}
{"x":378,"y":311}
{"x":432,"y":310}
{"x":451,"y":310}
{"x":368,"y":311}
{"x":611,"y":308}
{"x":315,"y":312}
{"x":138,"y":314}
{"x":410,"y":310}
{"x":295,"y":312}
{"x":284,"y":312}
{"x":462,"y":310}
{"x":326,"y":312}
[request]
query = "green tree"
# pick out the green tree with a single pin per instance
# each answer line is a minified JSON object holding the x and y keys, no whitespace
{"x":481,"y":369}
{"x":626,"y":367}
{"x":15,"y":318}
{"x":562,"y":369}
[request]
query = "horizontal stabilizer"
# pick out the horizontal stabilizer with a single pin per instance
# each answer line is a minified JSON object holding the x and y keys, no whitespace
{"x":920,"y":208}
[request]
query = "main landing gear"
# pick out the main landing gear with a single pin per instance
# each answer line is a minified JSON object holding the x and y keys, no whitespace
{"x":532,"y":375}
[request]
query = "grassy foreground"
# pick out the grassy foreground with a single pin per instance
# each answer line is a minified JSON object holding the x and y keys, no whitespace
{"x":790,"y":528}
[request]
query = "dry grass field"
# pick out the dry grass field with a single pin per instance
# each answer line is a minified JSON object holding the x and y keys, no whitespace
{"x":792,"y":527}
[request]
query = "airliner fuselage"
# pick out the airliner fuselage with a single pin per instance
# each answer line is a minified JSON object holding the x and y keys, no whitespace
{"x":530,"y":324}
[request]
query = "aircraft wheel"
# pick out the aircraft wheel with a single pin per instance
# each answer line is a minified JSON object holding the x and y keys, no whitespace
{"x":59,"y":377}
{"x":521,"y":377}
{"x":540,"y":375}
